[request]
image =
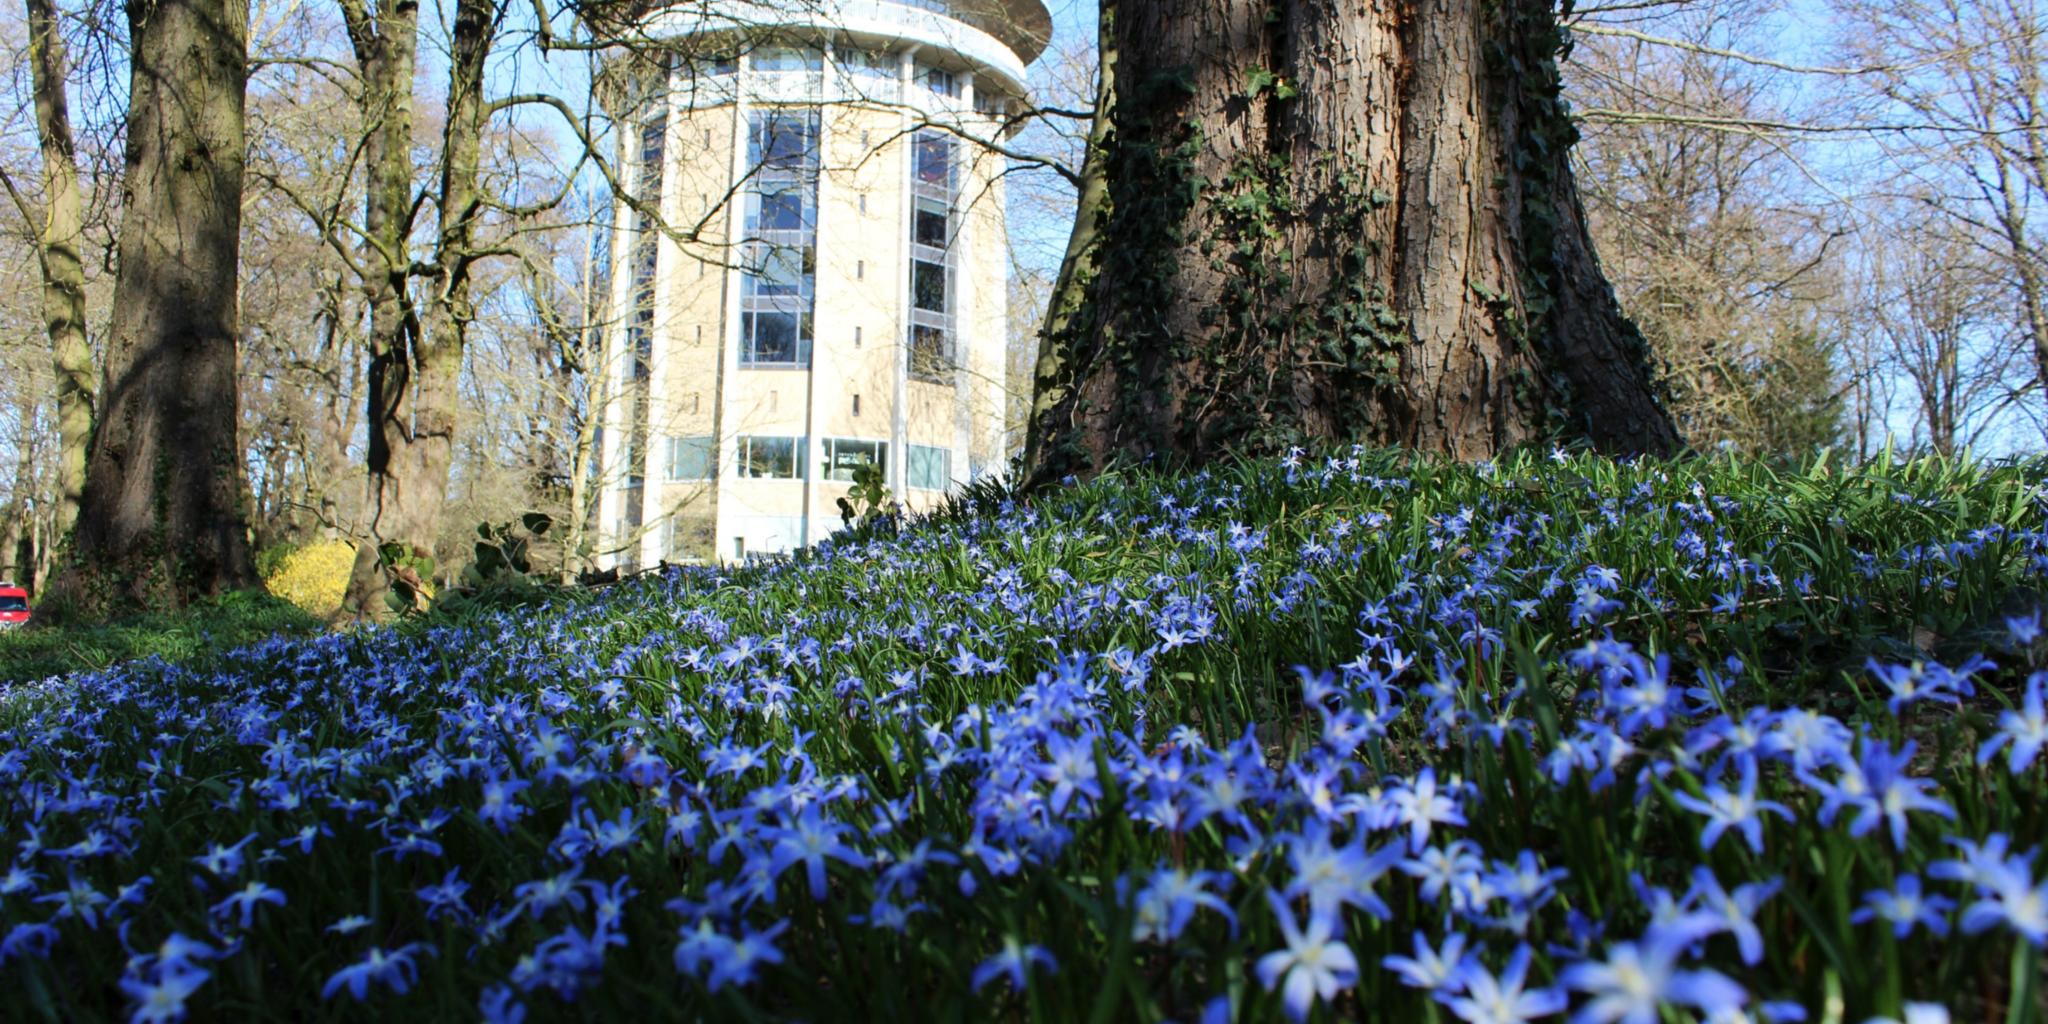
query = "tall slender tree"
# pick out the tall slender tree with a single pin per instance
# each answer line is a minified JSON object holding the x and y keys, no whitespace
{"x":1331,"y":221}
{"x":60,"y":224}
{"x":161,"y":519}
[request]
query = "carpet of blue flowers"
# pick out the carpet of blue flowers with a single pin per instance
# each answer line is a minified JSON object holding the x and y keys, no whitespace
{"x":1549,"y":739}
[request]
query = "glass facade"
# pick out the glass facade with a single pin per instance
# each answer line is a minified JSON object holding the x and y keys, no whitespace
{"x":779,"y":253}
{"x":932,"y":185}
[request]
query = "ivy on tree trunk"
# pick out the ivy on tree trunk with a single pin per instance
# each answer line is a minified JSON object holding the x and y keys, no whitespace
{"x":1332,"y":222}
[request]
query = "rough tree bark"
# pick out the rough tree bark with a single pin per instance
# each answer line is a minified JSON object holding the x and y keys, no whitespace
{"x":415,"y":366}
{"x":161,"y":520}
{"x":63,"y":270}
{"x":1340,"y":222}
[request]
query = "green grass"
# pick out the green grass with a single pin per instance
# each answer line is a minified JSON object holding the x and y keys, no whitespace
{"x":194,"y":632}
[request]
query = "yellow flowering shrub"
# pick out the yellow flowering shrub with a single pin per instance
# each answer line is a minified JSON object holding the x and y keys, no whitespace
{"x":314,"y":577}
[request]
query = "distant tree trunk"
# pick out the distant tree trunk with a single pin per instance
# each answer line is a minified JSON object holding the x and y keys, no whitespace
{"x":12,"y":521}
{"x":63,"y":271}
{"x":161,"y":520}
{"x":1079,"y":263}
{"x":415,"y":371}
{"x":386,"y":48}
{"x":1341,"y":222}
{"x":330,"y":463}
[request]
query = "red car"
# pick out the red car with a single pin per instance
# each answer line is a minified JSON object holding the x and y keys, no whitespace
{"x":13,"y":606}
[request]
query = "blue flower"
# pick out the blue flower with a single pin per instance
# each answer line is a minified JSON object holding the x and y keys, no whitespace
{"x":500,"y":1005}
{"x":2013,"y":899}
{"x":2026,"y":729}
{"x":1014,"y":962}
{"x":79,"y":900}
{"x":2024,"y":630}
{"x":28,"y":938}
{"x":1332,"y":876}
{"x":1503,"y":998}
{"x":223,"y":861}
{"x":1905,"y":907}
{"x":1878,"y":788}
{"x":246,"y":899}
{"x":446,"y":897}
{"x":501,"y":806}
{"x":394,"y":969}
{"x":1638,"y":978}
{"x":1070,"y":767}
{"x":1170,"y":898}
{"x":1737,"y":808}
{"x":1419,"y":805}
{"x":1917,"y":1013}
{"x":1438,"y":970}
{"x":162,"y":999}
{"x":1734,"y":913}
{"x":1315,"y":964}
{"x":811,"y":838}
{"x":736,"y":961}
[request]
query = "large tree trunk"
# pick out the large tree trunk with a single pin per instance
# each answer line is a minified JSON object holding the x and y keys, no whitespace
{"x":413,"y":385}
{"x":63,"y":271}
{"x":1339,"y":222}
{"x":161,"y":521}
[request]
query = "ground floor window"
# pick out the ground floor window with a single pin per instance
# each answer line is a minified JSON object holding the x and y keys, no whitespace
{"x":930,"y":467}
{"x":844,"y":455}
{"x":692,"y":458}
{"x":771,"y":458}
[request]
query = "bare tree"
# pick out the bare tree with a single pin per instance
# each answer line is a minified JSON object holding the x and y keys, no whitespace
{"x":1967,"y":76}
{"x":1940,"y":309}
{"x":62,"y":225}
{"x":1715,"y":242}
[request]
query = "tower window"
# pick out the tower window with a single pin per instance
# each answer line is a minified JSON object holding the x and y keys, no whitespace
{"x":788,"y":58}
{"x":930,"y":224}
{"x":933,"y":162}
{"x":928,"y":285}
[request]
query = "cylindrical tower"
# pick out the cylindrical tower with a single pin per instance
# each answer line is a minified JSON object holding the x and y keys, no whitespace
{"x":809,"y":268}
